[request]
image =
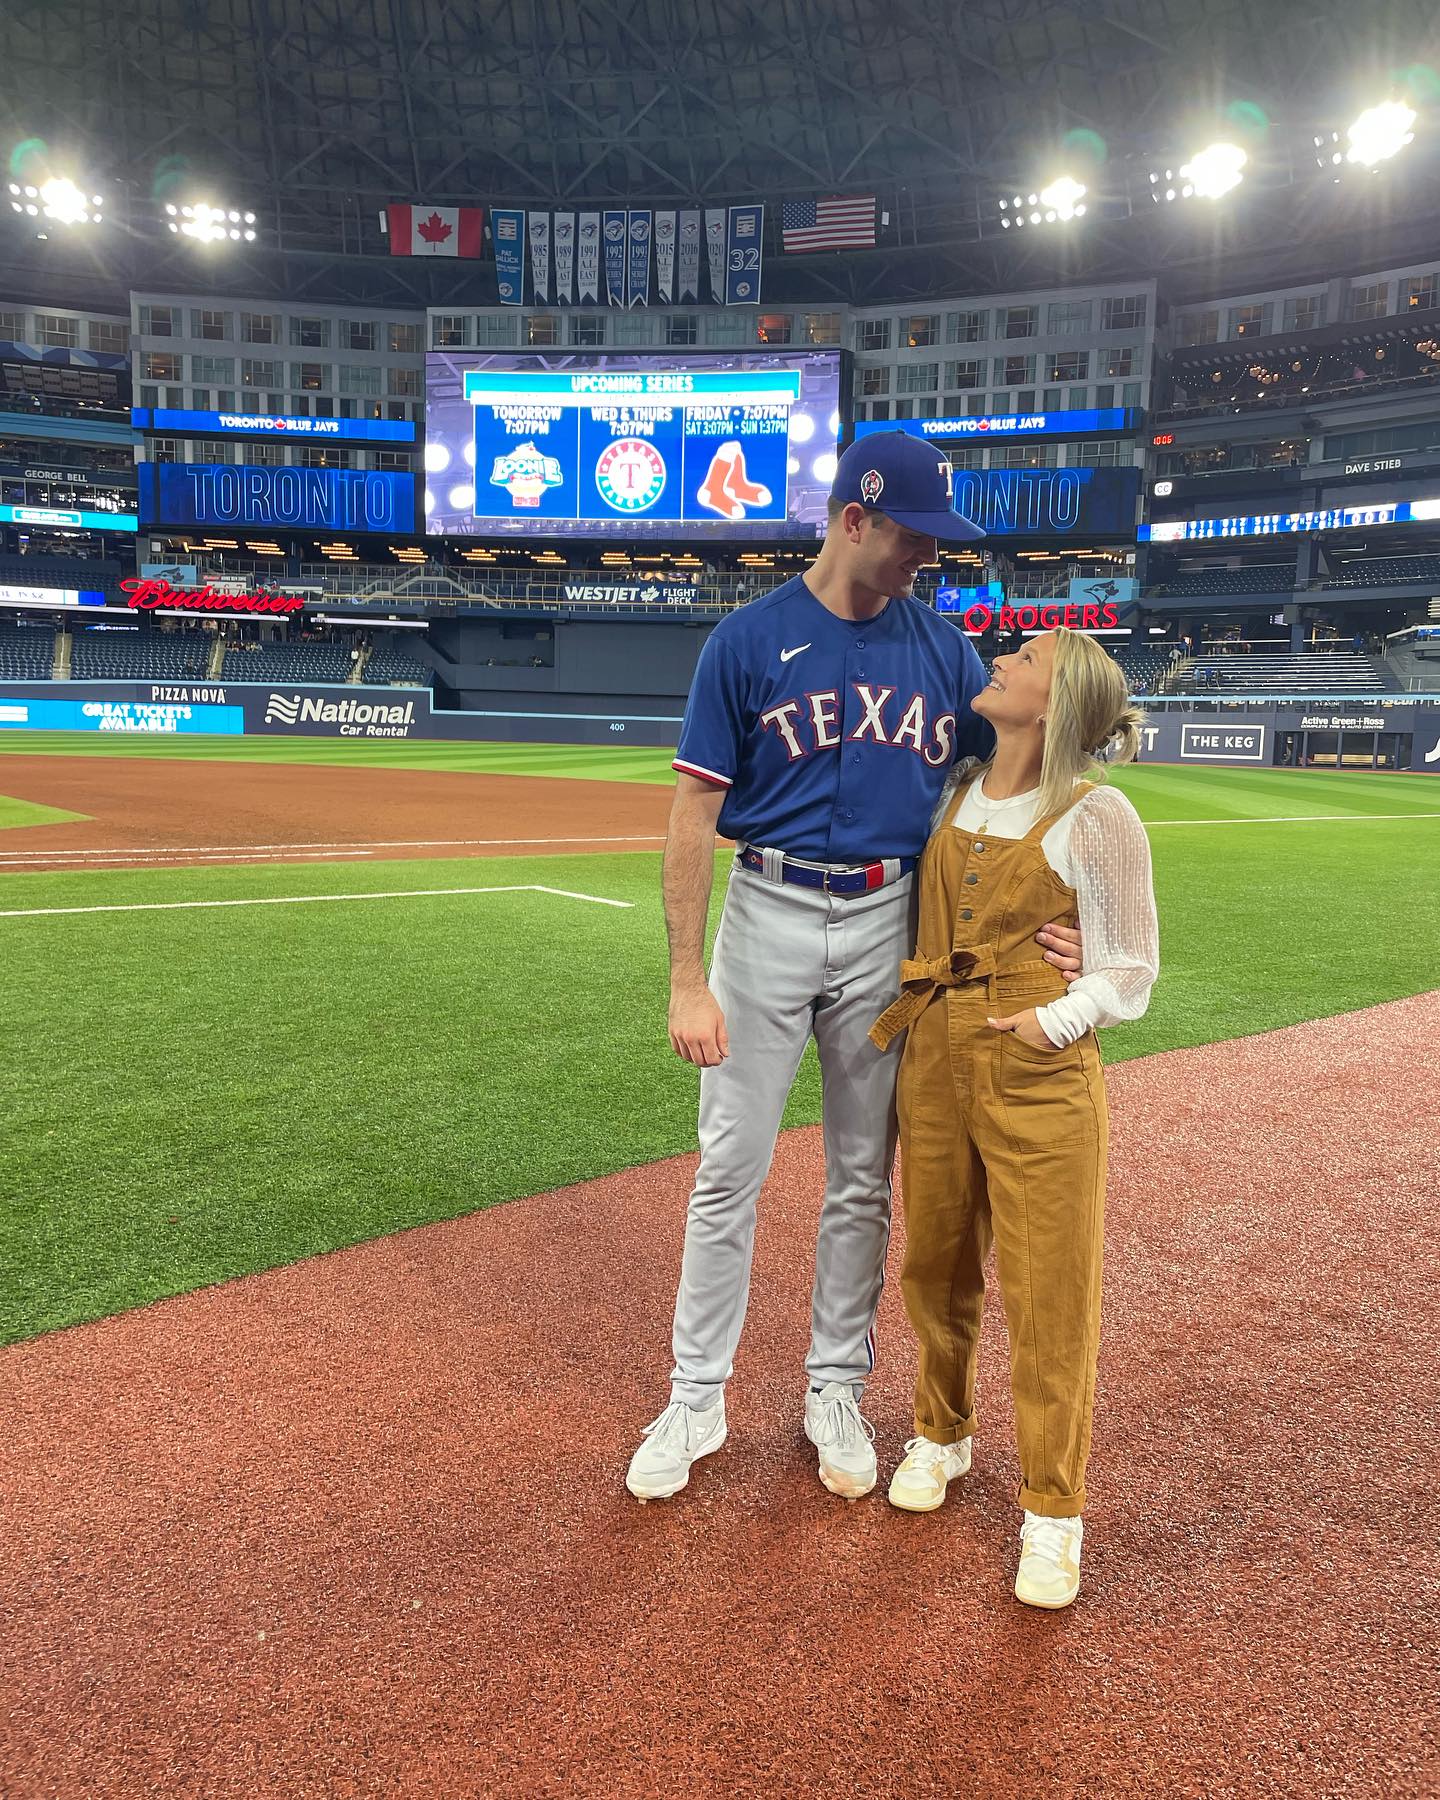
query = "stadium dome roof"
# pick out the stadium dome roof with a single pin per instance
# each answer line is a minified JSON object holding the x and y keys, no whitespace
{"x":316,"y":113}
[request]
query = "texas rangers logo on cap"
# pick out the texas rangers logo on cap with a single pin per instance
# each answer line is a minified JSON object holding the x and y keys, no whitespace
{"x":872,"y":485}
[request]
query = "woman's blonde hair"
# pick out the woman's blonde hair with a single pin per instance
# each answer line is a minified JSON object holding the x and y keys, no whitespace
{"x":1088,"y":717}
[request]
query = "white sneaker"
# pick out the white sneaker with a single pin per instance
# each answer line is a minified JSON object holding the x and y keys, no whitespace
{"x":844,"y":1439}
{"x":919,"y":1484}
{"x":678,"y":1438}
{"x":1049,"y":1572}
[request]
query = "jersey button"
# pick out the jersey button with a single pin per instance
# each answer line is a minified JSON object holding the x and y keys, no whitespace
{"x":859,"y":643}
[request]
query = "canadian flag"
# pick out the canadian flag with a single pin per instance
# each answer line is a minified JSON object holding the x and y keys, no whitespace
{"x":433,"y":230}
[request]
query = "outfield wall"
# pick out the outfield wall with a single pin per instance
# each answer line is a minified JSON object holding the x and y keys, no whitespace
{"x":1259,"y":737}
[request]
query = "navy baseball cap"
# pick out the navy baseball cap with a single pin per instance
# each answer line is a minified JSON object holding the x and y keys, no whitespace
{"x":907,"y":479}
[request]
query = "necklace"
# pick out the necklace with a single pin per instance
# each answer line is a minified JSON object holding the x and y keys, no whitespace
{"x":995,"y":805}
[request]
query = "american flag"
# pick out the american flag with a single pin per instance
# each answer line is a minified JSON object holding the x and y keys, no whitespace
{"x":844,"y":223}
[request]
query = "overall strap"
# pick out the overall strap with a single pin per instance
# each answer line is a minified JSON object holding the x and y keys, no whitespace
{"x":1041,"y":826}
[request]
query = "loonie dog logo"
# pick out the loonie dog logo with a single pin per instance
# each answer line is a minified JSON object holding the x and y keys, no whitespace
{"x":526,"y":475}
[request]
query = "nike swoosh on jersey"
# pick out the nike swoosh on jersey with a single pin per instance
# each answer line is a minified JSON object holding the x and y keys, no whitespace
{"x":785,"y":655}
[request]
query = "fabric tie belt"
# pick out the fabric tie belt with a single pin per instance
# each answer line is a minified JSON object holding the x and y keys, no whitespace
{"x":776,"y":866}
{"x":919,"y":982}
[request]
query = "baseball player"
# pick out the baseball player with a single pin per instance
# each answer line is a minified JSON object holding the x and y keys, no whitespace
{"x":823,"y":720}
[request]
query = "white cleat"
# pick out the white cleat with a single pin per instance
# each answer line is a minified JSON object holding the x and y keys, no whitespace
{"x":673,"y":1442}
{"x":843,"y":1438}
{"x":919,"y":1484}
{"x":1049,"y":1572}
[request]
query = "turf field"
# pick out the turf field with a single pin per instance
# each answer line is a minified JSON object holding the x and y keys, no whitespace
{"x":194,"y":1092}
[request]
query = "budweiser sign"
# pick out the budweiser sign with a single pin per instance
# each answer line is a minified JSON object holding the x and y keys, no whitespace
{"x":147,"y":594}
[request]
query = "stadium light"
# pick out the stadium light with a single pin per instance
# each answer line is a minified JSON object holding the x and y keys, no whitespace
{"x":211,"y":224}
{"x":1061,"y":199}
{"x":1215,"y":170}
{"x":1380,"y":132}
{"x":57,"y":199}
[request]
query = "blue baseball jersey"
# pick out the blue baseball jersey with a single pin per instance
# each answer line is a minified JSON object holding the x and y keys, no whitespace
{"x":833,"y":736}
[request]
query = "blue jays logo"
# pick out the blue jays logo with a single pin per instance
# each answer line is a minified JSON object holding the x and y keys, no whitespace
{"x":665,"y":229}
{"x":639,"y":231}
{"x":1100,"y":591}
{"x":872,"y":485}
{"x":589,"y":228}
{"x":615,"y":230}
{"x":564,"y":231}
{"x":690,"y":229}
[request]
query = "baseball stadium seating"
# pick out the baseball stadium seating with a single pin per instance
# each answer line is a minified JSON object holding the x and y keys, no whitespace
{"x":147,"y":656}
{"x":1308,"y":672}
{"x":1262,"y":578}
{"x":1144,"y":665}
{"x":1386,"y":571}
{"x":288,"y":662}
{"x":27,"y":652}
{"x":387,"y":666}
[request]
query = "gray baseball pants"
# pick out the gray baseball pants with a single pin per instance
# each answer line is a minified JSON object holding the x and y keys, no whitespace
{"x":789,"y":963}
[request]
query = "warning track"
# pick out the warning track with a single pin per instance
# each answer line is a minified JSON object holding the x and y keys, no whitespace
{"x":357,"y":1526}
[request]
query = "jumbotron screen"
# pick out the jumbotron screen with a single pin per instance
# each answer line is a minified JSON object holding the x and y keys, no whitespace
{"x":602,"y":444}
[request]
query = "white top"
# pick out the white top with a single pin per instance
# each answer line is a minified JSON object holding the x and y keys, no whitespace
{"x":1099,"y":848}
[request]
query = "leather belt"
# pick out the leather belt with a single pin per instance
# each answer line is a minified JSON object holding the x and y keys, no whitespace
{"x":862,"y":879}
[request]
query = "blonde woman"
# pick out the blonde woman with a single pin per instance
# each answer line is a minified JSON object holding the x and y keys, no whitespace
{"x":1001,"y":1092}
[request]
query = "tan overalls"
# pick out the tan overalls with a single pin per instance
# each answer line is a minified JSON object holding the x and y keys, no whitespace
{"x":999,"y":1141}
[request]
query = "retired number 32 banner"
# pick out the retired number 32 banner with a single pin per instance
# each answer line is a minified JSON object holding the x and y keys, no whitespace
{"x":744,"y":247}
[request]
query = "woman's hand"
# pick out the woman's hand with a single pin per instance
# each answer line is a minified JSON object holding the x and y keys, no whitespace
{"x":1026,"y":1027}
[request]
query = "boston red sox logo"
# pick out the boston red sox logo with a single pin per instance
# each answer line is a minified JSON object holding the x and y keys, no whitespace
{"x":872,"y":485}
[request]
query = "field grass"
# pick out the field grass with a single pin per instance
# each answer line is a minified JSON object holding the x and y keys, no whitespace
{"x":26,"y":812}
{"x":192,"y":1095}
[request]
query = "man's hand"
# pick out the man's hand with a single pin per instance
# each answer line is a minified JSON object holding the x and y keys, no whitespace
{"x":697,"y":1027}
{"x":1026,"y":1027}
{"x":1065,"y":948}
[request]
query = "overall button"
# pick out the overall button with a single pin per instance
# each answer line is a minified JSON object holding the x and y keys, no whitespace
{"x":970,"y":880}
{"x":978,"y":847}
{"x":965,"y":913}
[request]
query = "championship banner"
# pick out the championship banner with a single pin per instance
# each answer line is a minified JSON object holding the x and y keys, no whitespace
{"x":688,"y":263}
{"x":509,"y":232}
{"x":715,"y":251}
{"x":587,"y":257}
{"x":665,"y":255}
{"x":743,"y":247}
{"x":540,"y":255}
{"x":637,"y":271}
{"x":614,"y":258}
{"x":564,"y":257}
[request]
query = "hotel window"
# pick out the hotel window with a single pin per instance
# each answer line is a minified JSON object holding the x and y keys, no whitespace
{"x":542,"y":330}
{"x":872,"y":334}
{"x":212,"y":450}
{"x":965,"y":374}
{"x":309,"y":376}
{"x":209,"y":327}
{"x":1020,"y":321}
{"x":1105,"y":394}
{"x":405,"y":338}
{"x":1197,"y":328}
{"x":966,"y":456}
{"x":967,"y":327}
{"x":1370,"y":302}
{"x":926,"y":408}
{"x":1050,"y":400}
{"x":1419,"y":291}
{"x":875,"y":380}
{"x":822,"y":328}
{"x":680,"y":328}
{"x":157,"y":321}
{"x":999,"y":405}
{"x":160,"y":365}
{"x":1249,"y":321}
{"x":1025,"y":400}
{"x":721,"y":329}
{"x":772,"y":328}
{"x":492,"y":329}
{"x":259,"y":328}
{"x":1127,"y":312}
{"x":359,"y":378}
{"x":55,"y":329}
{"x":1068,"y":318}
{"x":452,"y":330}
{"x":166,"y":450}
{"x":12,"y":328}
{"x":879,"y":409}
{"x":110,"y":338}
{"x":1098,"y":453}
{"x":1022,"y":456}
{"x":310,"y":333}
{"x":1012,"y":370}
{"x":1079,"y":397}
{"x":1067,"y":365}
{"x":922,"y":330}
{"x":405,"y":382}
{"x":1304,"y":312}
{"x":359,"y":334}
{"x":904,"y":409}
{"x":317,"y":456}
{"x":261,"y":374}
{"x":975,"y":405}
{"x":1130,"y":393}
{"x":917,"y":378}
{"x":200,"y":399}
{"x":587,"y":328}
{"x":1117,"y":361}
{"x":398,"y":462}
{"x":268,"y":456}
{"x":638,"y":329}
{"x":212,"y":371}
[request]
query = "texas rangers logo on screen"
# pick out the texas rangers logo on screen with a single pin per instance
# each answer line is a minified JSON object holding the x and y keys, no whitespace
{"x":872,"y":485}
{"x":630,"y":475}
{"x":526,"y":475}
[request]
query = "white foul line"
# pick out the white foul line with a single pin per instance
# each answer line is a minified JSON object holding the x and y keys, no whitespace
{"x":40,"y":912}
{"x":1297,"y":819}
{"x":289,"y":849}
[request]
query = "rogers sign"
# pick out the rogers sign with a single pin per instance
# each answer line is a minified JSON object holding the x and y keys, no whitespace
{"x":150,"y":595}
{"x":1041,"y":618}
